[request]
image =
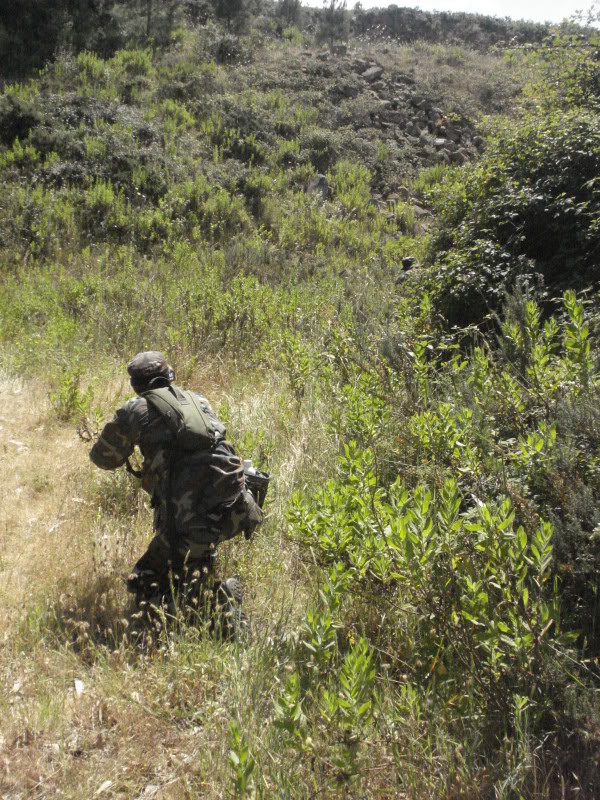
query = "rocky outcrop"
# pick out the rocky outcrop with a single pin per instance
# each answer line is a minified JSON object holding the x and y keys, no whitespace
{"x":405,"y":113}
{"x":391,"y":107}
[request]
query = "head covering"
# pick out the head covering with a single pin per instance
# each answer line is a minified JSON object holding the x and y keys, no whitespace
{"x":145,"y":368}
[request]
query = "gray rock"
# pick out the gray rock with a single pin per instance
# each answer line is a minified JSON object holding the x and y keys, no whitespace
{"x":397,"y":117}
{"x":439,"y":143}
{"x":420,"y":213}
{"x":413,"y":130}
{"x":372,"y":74}
{"x":458,"y":157}
{"x":345,"y":89}
{"x":379,"y":86}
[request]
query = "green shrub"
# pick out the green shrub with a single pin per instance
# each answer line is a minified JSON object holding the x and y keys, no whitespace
{"x":17,"y":117}
{"x":486,"y":613}
{"x":227,"y":49}
{"x":69,"y":402}
{"x":528,"y":214}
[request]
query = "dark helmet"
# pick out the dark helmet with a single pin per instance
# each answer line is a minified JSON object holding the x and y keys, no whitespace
{"x":149,"y":369}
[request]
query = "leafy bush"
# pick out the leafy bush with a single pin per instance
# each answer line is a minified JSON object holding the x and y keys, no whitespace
{"x":227,"y":49}
{"x":69,"y":402}
{"x":528,"y":215}
{"x":486,"y":612}
{"x":17,"y":117}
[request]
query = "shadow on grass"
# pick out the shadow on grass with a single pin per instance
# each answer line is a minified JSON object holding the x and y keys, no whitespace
{"x":94,"y":617}
{"x":99,"y":617}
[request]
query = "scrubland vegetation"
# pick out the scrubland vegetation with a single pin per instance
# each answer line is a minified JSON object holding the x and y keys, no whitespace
{"x":413,"y":357}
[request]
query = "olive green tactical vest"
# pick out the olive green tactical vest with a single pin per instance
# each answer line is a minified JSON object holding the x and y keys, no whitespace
{"x":181,"y":410}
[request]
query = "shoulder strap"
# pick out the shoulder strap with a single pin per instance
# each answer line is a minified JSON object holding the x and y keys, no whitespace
{"x":192,"y":428}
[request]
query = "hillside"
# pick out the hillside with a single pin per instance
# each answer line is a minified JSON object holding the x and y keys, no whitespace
{"x":379,"y":262}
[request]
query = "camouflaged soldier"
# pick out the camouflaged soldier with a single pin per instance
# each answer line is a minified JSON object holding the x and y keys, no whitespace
{"x":192,"y":473}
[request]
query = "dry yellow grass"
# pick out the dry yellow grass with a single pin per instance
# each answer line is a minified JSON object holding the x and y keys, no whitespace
{"x":41,"y":512}
{"x":85,"y":711}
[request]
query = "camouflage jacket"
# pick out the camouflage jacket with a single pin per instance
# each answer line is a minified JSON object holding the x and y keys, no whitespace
{"x":201,"y":481}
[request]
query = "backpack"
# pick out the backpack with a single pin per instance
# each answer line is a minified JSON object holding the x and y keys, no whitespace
{"x":191,"y":426}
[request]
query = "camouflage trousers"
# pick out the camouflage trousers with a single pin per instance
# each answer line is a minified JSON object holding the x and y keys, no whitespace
{"x":187,"y":564}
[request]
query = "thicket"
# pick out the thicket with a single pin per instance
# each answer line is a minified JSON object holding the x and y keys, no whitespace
{"x":448,"y":510}
{"x":528,"y":214}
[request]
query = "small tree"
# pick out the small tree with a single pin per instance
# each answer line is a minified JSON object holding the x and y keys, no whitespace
{"x":333,"y":22}
{"x":230,"y":11}
{"x":289,"y":11}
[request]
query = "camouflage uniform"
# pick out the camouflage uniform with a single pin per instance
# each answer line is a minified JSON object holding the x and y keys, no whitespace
{"x":199,"y":497}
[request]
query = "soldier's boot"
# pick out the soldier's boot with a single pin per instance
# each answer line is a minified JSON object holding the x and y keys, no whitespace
{"x":229,"y":620}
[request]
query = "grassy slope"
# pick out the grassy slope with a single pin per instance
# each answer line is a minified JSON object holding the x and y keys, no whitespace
{"x":86,"y":708}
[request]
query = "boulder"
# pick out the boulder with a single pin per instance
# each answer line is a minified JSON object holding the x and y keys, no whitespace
{"x":421,"y":213}
{"x":372,"y":74}
{"x":345,"y":89}
{"x":452,"y":133}
{"x":397,"y":117}
{"x":459,"y":157}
